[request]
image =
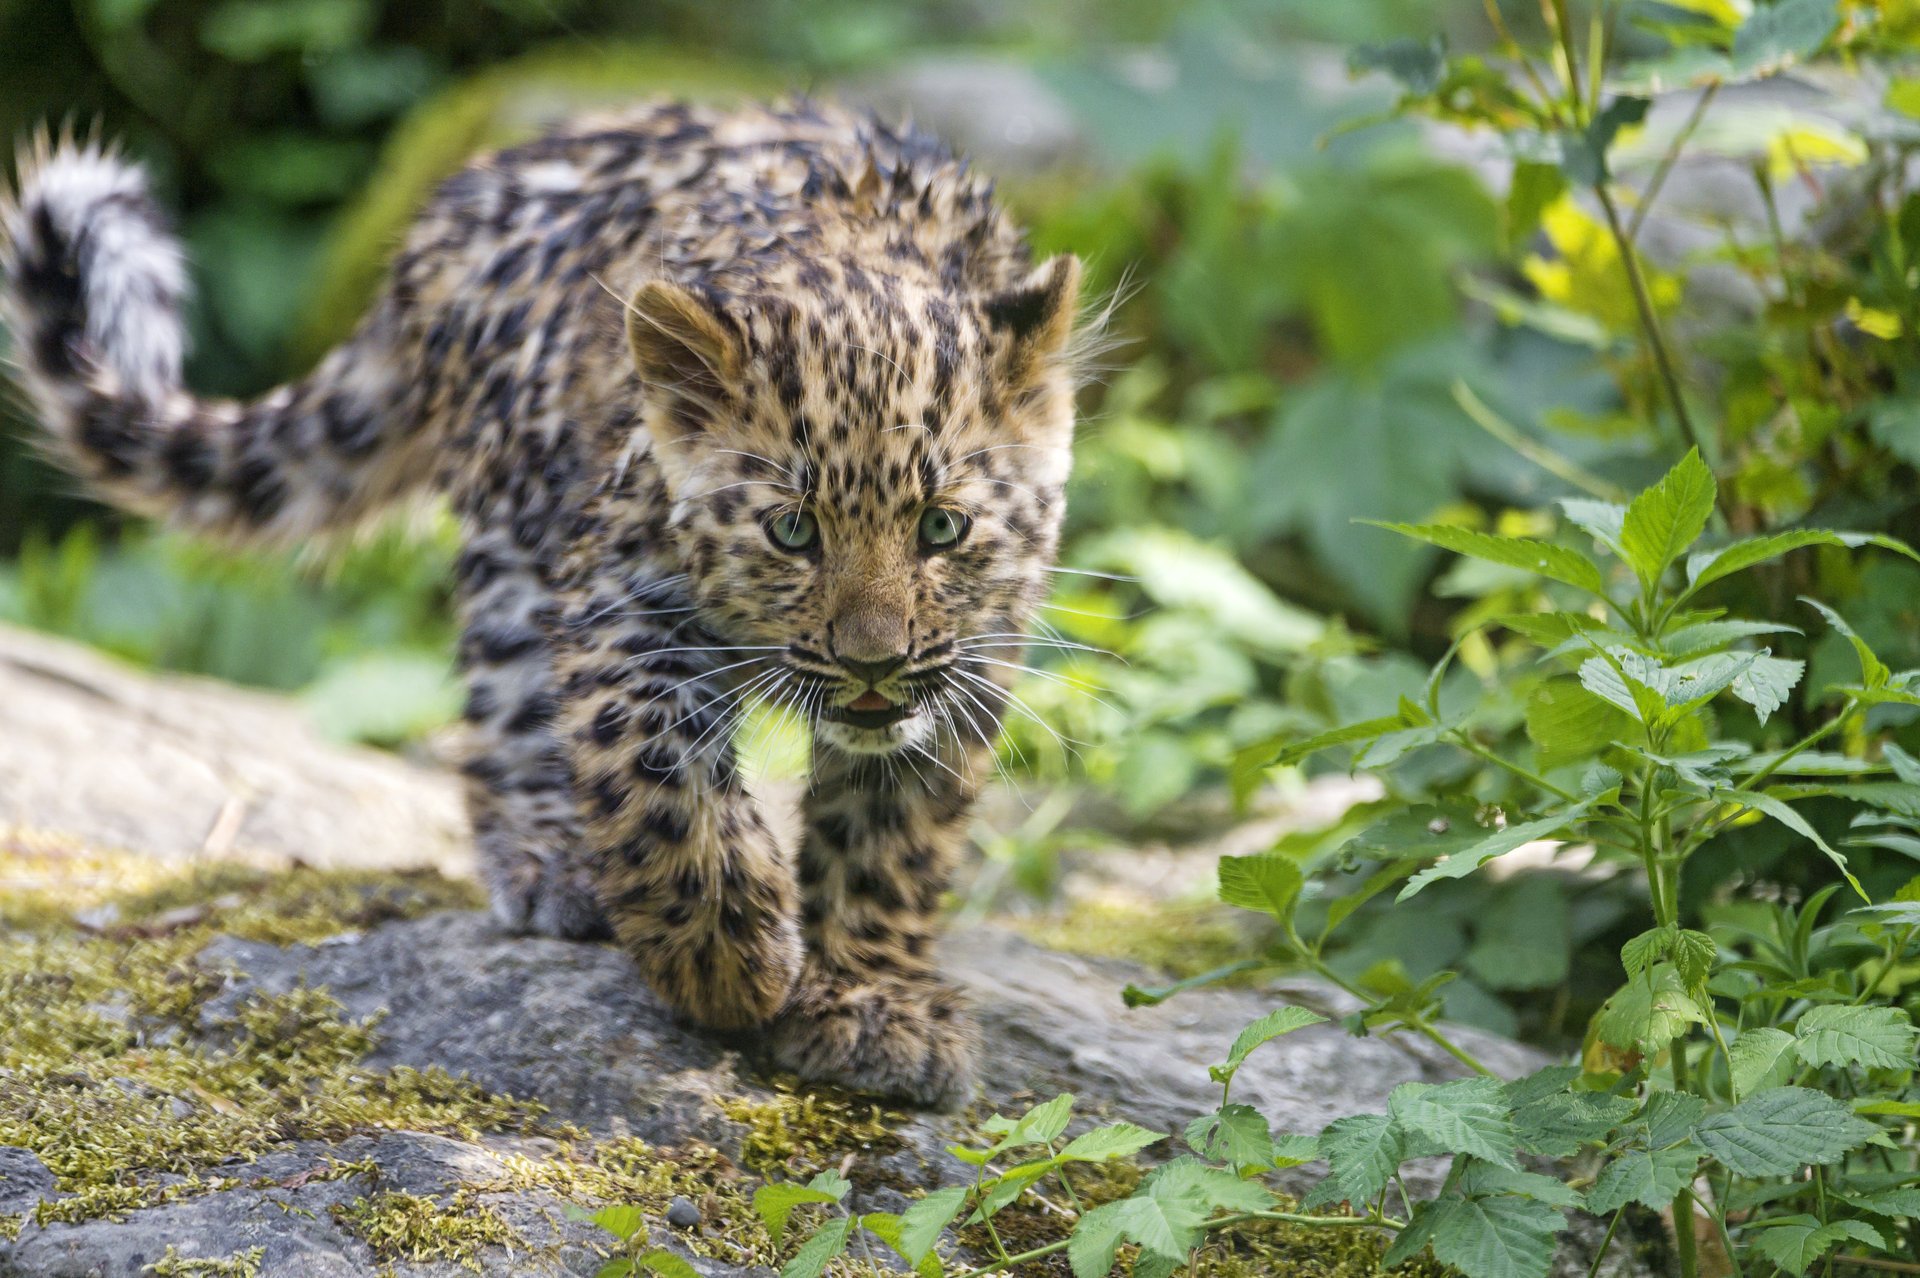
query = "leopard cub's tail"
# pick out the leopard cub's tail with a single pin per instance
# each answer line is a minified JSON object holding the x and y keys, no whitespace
{"x":91,"y":287}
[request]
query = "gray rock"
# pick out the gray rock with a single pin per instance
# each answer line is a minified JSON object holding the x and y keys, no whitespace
{"x":569,"y":1025}
{"x":993,"y":109}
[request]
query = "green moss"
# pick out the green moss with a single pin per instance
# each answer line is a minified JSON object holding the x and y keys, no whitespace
{"x":244,"y":1264}
{"x":420,"y":1228}
{"x":106,"y":1074}
{"x":796,"y":1133}
{"x":1182,"y":939}
{"x":10,"y":1226}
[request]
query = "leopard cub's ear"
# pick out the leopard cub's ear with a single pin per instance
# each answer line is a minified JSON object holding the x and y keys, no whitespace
{"x":1035,"y":318}
{"x":683,"y":343}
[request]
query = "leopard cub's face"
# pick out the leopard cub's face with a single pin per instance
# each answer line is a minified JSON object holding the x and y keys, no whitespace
{"x":867,"y":490}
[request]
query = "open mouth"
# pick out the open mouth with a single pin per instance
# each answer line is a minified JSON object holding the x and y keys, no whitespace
{"x":870,"y":710}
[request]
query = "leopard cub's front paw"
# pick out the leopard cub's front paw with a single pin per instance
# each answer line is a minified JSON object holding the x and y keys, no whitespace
{"x":912,"y":1041}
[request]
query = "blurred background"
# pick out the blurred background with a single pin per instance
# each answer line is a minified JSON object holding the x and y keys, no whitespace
{"x":1334,"y":313}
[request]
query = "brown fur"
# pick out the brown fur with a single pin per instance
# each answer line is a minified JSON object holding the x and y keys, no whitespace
{"x":627,"y":351}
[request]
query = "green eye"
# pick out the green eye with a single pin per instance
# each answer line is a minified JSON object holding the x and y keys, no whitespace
{"x":793,"y":530}
{"x":941,"y":527}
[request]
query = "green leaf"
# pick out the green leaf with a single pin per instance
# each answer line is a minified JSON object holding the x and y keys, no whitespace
{"x":1095,"y":1242}
{"x":1041,"y":1125}
{"x":1604,"y":521}
{"x":665,"y":1263}
{"x":1648,"y":1013}
{"x":1650,"y":1179}
{"x":1284,"y":1020}
{"x":1667,"y":518}
{"x":775,"y":1201}
{"x":1477,"y":1180}
{"x":1873,"y":671}
{"x":1470,"y":1116}
{"x":887,"y":1227}
{"x":1560,"y":1126}
{"x":1362,"y":1152}
{"x":1765,"y":683}
{"x":622,"y":1221}
{"x":922,"y":1223}
{"x":1709,"y":566}
{"x":1669,"y":1118}
{"x":1117,"y":1140}
{"x":1902,"y":1204}
{"x":1760,"y":1057}
{"x":1542,"y":558}
{"x":1416,"y":64}
{"x":1786,"y":816}
{"x":1365,"y":730}
{"x":1706,"y":636}
{"x":1781,"y":1130}
{"x":1501,"y":1237}
{"x":1165,"y":1215}
{"x":1267,"y":883}
{"x":820,"y":1250}
{"x":1795,"y":1242}
{"x":1496,"y":844}
{"x":1566,"y":722}
{"x":1874,"y":1037}
{"x":1235,"y":1134}
{"x":1523,"y":939}
{"x":1778,"y":35}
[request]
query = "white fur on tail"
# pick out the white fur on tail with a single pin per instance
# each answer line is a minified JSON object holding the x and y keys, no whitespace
{"x":82,"y":246}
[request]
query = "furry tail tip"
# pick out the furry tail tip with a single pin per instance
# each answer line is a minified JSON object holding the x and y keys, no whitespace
{"x":91,"y":279}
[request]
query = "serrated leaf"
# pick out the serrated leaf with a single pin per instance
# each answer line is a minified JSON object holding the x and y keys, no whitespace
{"x":1470,"y":1116}
{"x":1549,"y":1080}
{"x":1873,"y":671}
{"x":1235,"y":1134}
{"x":1165,"y":1215}
{"x":1667,"y":518}
{"x":1117,"y":1140}
{"x":1786,"y":816}
{"x":1795,"y":1242}
{"x":1560,"y":1126}
{"x":1650,"y":1179}
{"x":922,"y":1223}
{"x":1781,"y":1130}
{"x":1648,"y":1013}
{"x":665,"y":1263}
{"x":1709,"y":566}
{"x":1362,"y":1152}
{"x":1760,"y":1057}
{"x":1290,"y":1149}
{"x":776,"y":1201}
{"x":1266,"y":883}
{"x":1496,"y":844}
{"x":1543,"y":558}
{"x":1873,"y":1037}
{"x":1095,"y":1242}
{"x":1565,"y":722}
{"x":1503,"y":1237}
{"x":622,"y":1221}
{"x":1766,"y":683}
{"x":1669,"y":1118}
{"x":1902,"y":1204}
{"x":819,"y":1251}
{"x":1706,"y":636}
{"x":1282,"y":1020}
{"x":1477,"y":1180}
{"x":1601,"y":520}
{"x":1041,"y":1125}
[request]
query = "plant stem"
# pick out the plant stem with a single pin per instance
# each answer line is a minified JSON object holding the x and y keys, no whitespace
{"x":1466,"y":742}
{"x":1683,"y":1215}
{"x":1893,"y":957}
{"x":1563,"y":468}
{"x":1874,"y":1262}
{"x":1416,"y":1023}
{"x":1606,"y":1241}
{"x":1649,"y":321}
{"x":1665,"y":168}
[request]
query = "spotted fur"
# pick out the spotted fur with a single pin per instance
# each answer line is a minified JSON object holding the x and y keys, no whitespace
{"x":626,"y":352}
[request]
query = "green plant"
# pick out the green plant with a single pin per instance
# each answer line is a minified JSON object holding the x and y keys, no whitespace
{"x":1756,"y":1073}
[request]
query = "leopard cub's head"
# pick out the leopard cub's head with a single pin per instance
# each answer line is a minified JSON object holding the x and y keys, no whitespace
{"x":867,"y":478}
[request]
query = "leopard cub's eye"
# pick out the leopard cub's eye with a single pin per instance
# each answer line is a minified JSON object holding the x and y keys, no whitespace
{"x":793,"y":530}
{"x":942,"y":527}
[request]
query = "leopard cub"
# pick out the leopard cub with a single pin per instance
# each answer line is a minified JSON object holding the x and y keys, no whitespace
{"x":768,"y":404}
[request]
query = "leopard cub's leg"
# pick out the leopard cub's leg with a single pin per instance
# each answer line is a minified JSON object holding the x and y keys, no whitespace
{"x":870,"y":1011}
{"x":689,"y":873}
{"x":526,"y":833}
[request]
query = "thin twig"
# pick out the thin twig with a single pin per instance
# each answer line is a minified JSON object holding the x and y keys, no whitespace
{"x":1667,"y":161}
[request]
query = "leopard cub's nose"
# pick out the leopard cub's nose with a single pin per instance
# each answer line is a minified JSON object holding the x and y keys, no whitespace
{"x":873,"y":671}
